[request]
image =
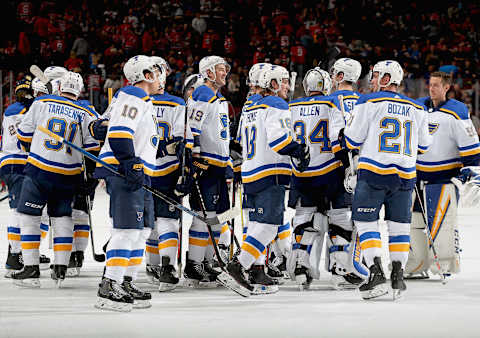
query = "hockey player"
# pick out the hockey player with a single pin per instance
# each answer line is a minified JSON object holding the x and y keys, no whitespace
{"x":455,"y":144}
{"x":317,"y":194}
{"x":191,"y":83}
{"x":13,"y":159}
{"x":130,"y":147}
{"x":345,"y":73}
{"x":52,"y":173}
{"x":208,"y":118}
{"x":389,"y":129}
{"x":266,"y":144}
{"x":163,"y":241}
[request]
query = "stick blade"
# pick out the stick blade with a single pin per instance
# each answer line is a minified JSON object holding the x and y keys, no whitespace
{"x":224,"y":217}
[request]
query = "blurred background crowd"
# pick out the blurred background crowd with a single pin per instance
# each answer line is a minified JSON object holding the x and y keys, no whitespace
{"x":95,"y":38}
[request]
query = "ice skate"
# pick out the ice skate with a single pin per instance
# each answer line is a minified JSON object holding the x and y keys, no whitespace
{"x":14,"y":263}
{"x":302,"y":277}
{"x":111,"y":296}
{"x":141,"y":299}
{"x":167,"y":279}
{"x":196,"y":276}
{"x":396,"y":277}
{"x":234,"y":279}
{"x":419,"y":275}
{"x":211,"y":271}
{"x":261,"y":282}
{"x":153,"y":273}
{"x":44,"y":262}
{"x":58,"y":274}
{"x":28,"y":277}
{"x":345,"y":282}
{"x":376,"y":284}
{"x":72,"y":266}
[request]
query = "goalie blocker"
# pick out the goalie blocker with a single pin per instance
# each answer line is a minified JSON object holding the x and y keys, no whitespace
{"x":441,"y":203}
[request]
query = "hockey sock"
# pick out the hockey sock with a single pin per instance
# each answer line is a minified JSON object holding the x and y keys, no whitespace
{"x":198,"y":239}
{"x":13,"y":230}
{"x":399,"y":241}
{"x":118,"y":252}
{"x":225,"y":235}
{"x":44,"y":223}
{"x":259,"y":236}
{"x":284,"y":240}
{"x":167,"y":238}
{"x":260,"y":260}
{"x":245,"y":217}
{"x":151,"y":251}
{"x":30,"y":237}
{"x":81,"y":230}
{"x":370,"y":241}
{"x":62,"y":239}
{"x":341,"y":217}
{"x":209,"y":251}
{"x":136,"y":254}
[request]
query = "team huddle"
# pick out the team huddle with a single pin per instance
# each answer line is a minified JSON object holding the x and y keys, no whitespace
{"x":338,"y":155}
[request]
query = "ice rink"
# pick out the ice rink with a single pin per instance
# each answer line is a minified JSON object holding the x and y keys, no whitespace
{"x":429,"y":309}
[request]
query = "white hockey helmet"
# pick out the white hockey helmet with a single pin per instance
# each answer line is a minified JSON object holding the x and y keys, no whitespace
{"x":71,"y":83}
{"x":163,"y":64}
{"x":277,"y":73}
{"x":391,"y":68}
{"x":209,"y":63}
{"x":160,"y":62}
{"x":54,"y":72}
{"x":255,"y":71}
{"x":317,"y":80}
{"x":192,"y":81}
{"x":135,"y":68}
{"x":350,"y":68}
{"x":38,"y":87}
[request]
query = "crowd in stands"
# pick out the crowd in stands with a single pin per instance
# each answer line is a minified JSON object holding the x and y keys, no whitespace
{"x":95,"y":38}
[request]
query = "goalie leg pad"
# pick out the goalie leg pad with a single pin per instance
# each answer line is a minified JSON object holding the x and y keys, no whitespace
{"x":418,"y":257}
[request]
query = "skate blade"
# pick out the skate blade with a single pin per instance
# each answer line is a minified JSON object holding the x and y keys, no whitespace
{"x":301,"y":280}
{"x":229,"y":282}
{"x":152,"y":280}
{"x":141,"y":304}
{"x":378,"y":291}
{"x":10,"y":272}
{"x":259,"y":289}
{"x":397,"y":294}
{"x":72,"y":272}
{"x":106,"y":304}
{"x":416,"y":277}
{"x":33,"y":283}
{"x":58,"y":283}
{"x":166,"y":287}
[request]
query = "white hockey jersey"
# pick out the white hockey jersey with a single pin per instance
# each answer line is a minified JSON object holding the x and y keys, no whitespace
{"x":455,"y":141}
{"x":12,"y":156}
{"x":317,"y":121}
{"x":265,"y":130}
{"x":48,"y":158}
{"x":389,"y":129}
{"x":170,"y":115}
{"x":209,"y":122}
{"x":350,"y":98}
{"x":132,"y":120}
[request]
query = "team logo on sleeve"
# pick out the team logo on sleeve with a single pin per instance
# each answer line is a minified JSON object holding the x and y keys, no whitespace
{"x":432,"y":128}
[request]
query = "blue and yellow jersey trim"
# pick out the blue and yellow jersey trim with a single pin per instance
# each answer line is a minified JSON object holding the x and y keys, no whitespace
{"x":165,"y":103}
{"x":309,"y":103}
{"x":470,"y":150}
{"x":336,"y":147}
{"x":23,"y":136}
{"x":91,"y":147}
{"x":450,"y":112}
{"x":351,"y":144}
{"x":386,"y":169}
{"x":319,"y":170}
{"x":109,"y":158}
{"x":120,"y":132}
{"x":164,"y":169}
{"x":436,"y":166}
{"x":71,"y":104}
{"x":257,"y":106}
{"x":394,"y":99}
{"x":281,"y":142}
{"x":266,"y":170}
{"x":216,"y":160}
{"x":195,"y":131}
{"x":422,"y":149}
{"x":54,"y":167}
{"x":14,"y":159}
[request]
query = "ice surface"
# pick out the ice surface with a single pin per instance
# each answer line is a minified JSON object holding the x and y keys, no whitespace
{"x":429,"y":309}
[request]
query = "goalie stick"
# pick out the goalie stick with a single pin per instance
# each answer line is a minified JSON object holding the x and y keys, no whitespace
{"x":219,"y":219}
{"x":37,"y":72}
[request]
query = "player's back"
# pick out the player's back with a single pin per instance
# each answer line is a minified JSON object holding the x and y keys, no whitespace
{"x":12,"y":156}
{"x":455,"y":140}
{"x":266,"y":129}
{"x":317,"y":121}
{"x":350,"y":98}
{"x":64,"y":117}
{"x":388,"y":126}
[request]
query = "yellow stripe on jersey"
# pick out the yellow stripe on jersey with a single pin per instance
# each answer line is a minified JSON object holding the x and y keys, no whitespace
{"x":52,"y":169}
{"x":120,"y":134}
{"x":163,"y":172}
{"x":469,"y":152}
{"x":283,"y":144}
{"x":388,"y":171}
{"x":318,"y":172}
{"x":27,"y":139}
{"x":435,"y":168}
{"x":349,"y":145}
{"x":256,"y":107}
{"x":13,"y":161}
{"x":267,"y":172}
{"x":23,"y":111}
{"x":146,"y":98}
{"x":312,"y":102}
{"x":165,"y":103}
{"x":396,"y":100}
{"x":451,"y":112}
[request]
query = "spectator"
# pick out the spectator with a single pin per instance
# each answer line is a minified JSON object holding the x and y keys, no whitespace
{"x":199,"y":24}
{"x":298,"y":56}
{"x":73,"y":62}
{"x":80,"y":47}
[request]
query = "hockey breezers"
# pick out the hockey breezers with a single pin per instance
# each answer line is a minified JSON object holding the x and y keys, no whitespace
{"x":219,"y":219}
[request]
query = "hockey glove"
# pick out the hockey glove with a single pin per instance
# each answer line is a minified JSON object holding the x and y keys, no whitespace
{"x":236,"y":153}
{"x":98,"y":129}
{"x":350,"y":181}
{"x":133,"y":171}
{"x":470,"y":189}
{"x":170,"y":147}
{"x":199,"y":167}
{"x":301,"y":157}
{"x":87,"y":188}
{"x":183,"y":186}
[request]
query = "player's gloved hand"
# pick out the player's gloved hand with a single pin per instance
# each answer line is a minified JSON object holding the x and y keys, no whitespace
{"x":236,"y":153}
{"x":468,"y":184}
{"x":87,"y":188}
{"x":171,"y":147}
{"x":98,"y":129}
{"x":184,"y":186}
{"x":199,"y":167}
{"x":133,"y":171}
{"x":301,"y":157}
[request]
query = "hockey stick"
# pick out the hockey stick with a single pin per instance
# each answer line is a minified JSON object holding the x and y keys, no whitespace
{"x":332,"y":53}
{"x":293,"y":79}
{"x":37,"y":72}
{"x":3,"y":198}
{"x":342,"y":109}
{"x":429,"y":235}
{"x":96,"y":257}
{"x":180,"y":226}
{"x":219,"y":219}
